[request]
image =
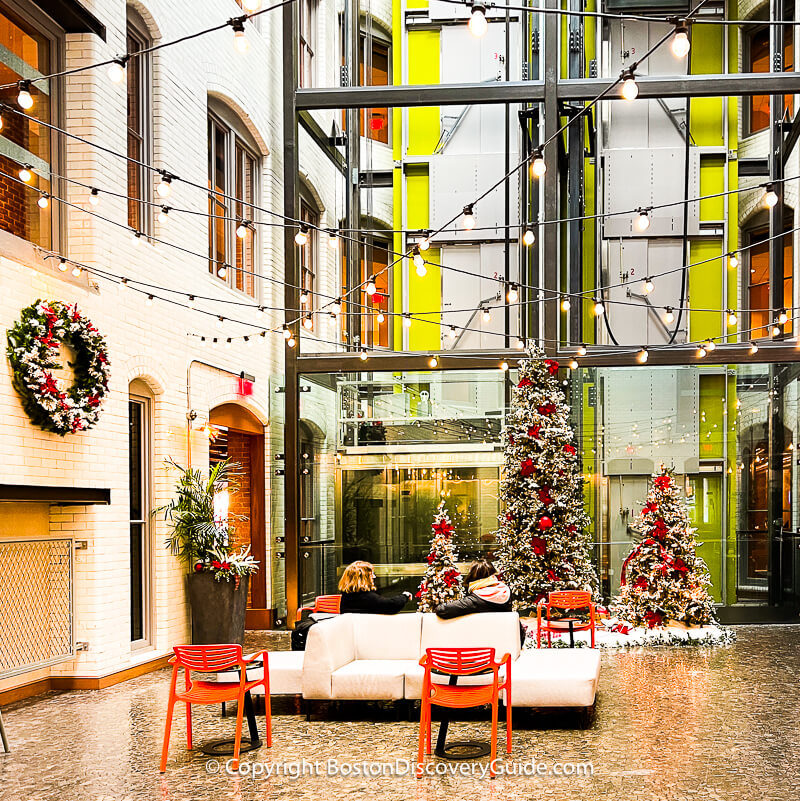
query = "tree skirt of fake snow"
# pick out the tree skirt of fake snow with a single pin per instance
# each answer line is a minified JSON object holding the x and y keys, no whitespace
{"x":636,"y":637}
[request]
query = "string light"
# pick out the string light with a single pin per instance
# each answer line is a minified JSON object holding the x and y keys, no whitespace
{"x":301,"y":237}
{"x":710,"y":345}
{"x":371,"y":289}
{"x":528,"y":238}
{"x":251,"y":5}
{"x":363,"y":355}
{"x":424,"y":243}
{"x":776,"y":331}
{"x":259,"y":312}
{"x":486,"y":314}
{"x":24,"y":97}
{"x":287,"y":334}
{"x":733,"y":261}
{"x":680,"y":41}
{"x":469,"y":218}
{"x":565,"y":305}
{"x":381,"y":317}
{"x":332,"y":319}
{"x":478,"y":24}
{"x":538,"y":165}
{"x":164,"y":186}
{"x":248,"y":341}
{"x":630,"y":91}
{"x":433,"y":361}
{"x":333,"y":239}
{"x":701,"y":352}
{"x":582,"y":350}
{"x":753,"y":348}
{"x":573,"y":365}
{"x":770,"y":196}
{"x":63,"y":266}
{"x":116,"y":69}
{"x":44,"y":200}
{"x":220,"y":321}
{"x":599,"y":308}
{"x":163,"y":214}
{"x":520,"y":343}
{"x":407,"y":320}
{"x":214,"y":342}
{"x":240,"y":41}
{"x":648,"y":286}
{"x":308,"y":322}
{"x":669,"y":317}
{"x":642,"y":355}
{"x":136,"y":237}
{"x":642,"y":220}
{"x":504,"y":366}
{"x":25,"y":173}
{"x":222,"y":270}
{"x":243,"y":228}
{"x":76,"y":271}
{"x":783,"y":317}
{"x":336,"y":307}
{"x":451,"y":332}
{"x":202,"y":342}
{"x":419,"y":262}
{"x":228,"y":343}
{"x":94,"y":197}
{"x":732,"y":318}
{"x":304,"y":297}
{"x":149,"y":300}
{"x":513,"y":293}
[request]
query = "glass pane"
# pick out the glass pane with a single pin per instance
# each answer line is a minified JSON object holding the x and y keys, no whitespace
{"x":135,"y":459}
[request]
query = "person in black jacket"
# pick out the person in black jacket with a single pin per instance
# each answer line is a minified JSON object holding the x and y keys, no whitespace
{"x":357,"y":586}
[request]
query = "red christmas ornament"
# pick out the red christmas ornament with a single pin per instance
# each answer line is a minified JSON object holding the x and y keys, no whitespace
{"x":525,"y":382}
{"x":198,"y":567}
{"x":679,"y":565}
{"x":527,"y":468}
{"x":653,"y":619}
{"x":539,"y":546}
{"x":571,"y":529}
{"x":551,"y":575}
{"x":511,"y":439}
{"x":640,"y":583}
{"x":509,"y":516}
{"x":545,"y":522}
{"x":544,"y":496}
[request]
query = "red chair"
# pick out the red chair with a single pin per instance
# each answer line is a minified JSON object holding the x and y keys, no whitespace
{"x":463,"y":662}
{"x":213,"y":659}
{"x":566,"y":600}
{"x":322,"y":603}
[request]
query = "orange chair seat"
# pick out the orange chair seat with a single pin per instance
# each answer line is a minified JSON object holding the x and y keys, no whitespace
{"x":468,"y":695}
{"x":214,"y":692}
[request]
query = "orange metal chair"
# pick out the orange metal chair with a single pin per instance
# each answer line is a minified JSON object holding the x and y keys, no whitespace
{"x":322,"y":603}
{"x":463,"y":662}
{"x":567,"y":600}
{"x":213,"y":659}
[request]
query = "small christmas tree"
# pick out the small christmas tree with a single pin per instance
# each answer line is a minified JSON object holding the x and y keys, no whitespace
{"x":543,"y":543}
{"x":442,"y":579}
{"x":663,"y":579}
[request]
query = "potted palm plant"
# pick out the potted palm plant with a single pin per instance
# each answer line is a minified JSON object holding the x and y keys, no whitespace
{"x":219,"y":578}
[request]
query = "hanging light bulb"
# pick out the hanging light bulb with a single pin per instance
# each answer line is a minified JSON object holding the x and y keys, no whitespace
{"x":240,"y":40}
{"x":565,"y":305}
{"x":164,"y":186}
{"x":251,"y":5}
{"x":301,"y":237}
{"x":136,"y":237}
{"x":149,"y":301}
{"x":1,"y":123}
{"x":504,"y":365}
{"x":783,"y":317}
{"x":630,"y":91}
{"x":599,"y":308}
{"x":419,"y":262}
{"x":25,"y":173}
{"x":680,"y":41}
{"x":469,"y":218}
{"x":573,"y":365}
{"x":424,"y":243}
{"x":648,"y":286}
{"x":304,"y":297}
{"x":371,"y":289}
{"x":76,"y":271}
{"x":24,"y":97}
{"x":220,"y":321}
{"x":287,"y":334}
{"x":669,"y":317}
{"x":381,"y":317}
{"x":642,"y":220}
{"x":478,"y":24}
{"x":190,"y":301}
{"x":214,"y":342}
{"x":753,"y":348}
{"x":776,"y":330}
{"x":291,"y":342}
{"x":701,"y":352}
{"x":163,"y":214}
{"x":513,"y":293}
{"x":44,"y":200}
{"x":116,"y":69}
{"x":222,"y":270}
{"x":332,"y":318}
{"x":519,"y":344}
{"x":642,"y":355}
{"x":528,"y":238}
{"x":94,"y":197}
{"x":363,"y":355}
{"x":451,"y":332}
{"x":733,"y":261}
{"x":486,"y":314}
{"x":243,"y":228}
{"x":582,"y":350}
{"x":259,"y":313}
{"x":538,"y":165}
{"x":407,"y":320}
{"x":248,"y":341}
{"x":228,"y":343}
{"x":336,"y":306}
{"x":333,"y":239}
{"x":433,"y":361}
{"x":770,"y":196}
{"x":710,"y":345}
{"x":732,"y":318}
{"x":63,"y":266}
{"x":308,"y":322}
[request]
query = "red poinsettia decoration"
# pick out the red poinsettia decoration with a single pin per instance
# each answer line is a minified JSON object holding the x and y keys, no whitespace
{"x":662,"y":482}
{"x":640,"y":583}
{"x":443,"y":527}
{"x":544,"y":496}
{"x":546,"y":408}
{"x":525,"y":382}
{"x":551,"y":365}
{"x":650,"y":508}
{"x":653,"y":619}
{"x":533,"y":431}
{"x":430,"y":557}
{"x":660,"y":529}
{"x":527,"y":468}
{"x":679,"y":565}
{"x":539,"y":546}
{"x":570,"y":450}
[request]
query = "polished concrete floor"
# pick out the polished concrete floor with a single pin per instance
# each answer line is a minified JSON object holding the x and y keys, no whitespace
{"x":670,"y":724}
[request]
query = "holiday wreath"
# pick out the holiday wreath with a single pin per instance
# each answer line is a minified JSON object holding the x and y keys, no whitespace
{"x":33,"y":351}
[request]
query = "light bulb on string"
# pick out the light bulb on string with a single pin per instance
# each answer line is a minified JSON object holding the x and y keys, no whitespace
{"x":565,"y":305}
{"x":308,"y":322}
{"x":136,"y":237}
{"x":732,"y":318}
{"x":163,"y":214}
{"x":149,"y":301}
{"x":582,"y":350}
{"x":599,"y":308}
{"x":63,"y":266}
{"x":642,"y":355}
{"x":573,"y":365}
{"x":783,"y":317}
{"x":380,"y":317}
{"x":371,"y":289}
{"x":680,"y":41}
{"x":538,"y":165}
{"x":291,"y":342}
{"x":116,"y":69}
{"x":336,"y":306}
{"x":513,"y":293}
{"x":287,"y":334}
{"x":753,"y":348}
{"x":240,"y":40}
{"x":770,"y":196}
{"x":630,"y":91}
{"x":407,"y":320}
{"x":94,"y":197}
{"x":301,"y":237}
{"x":733,"y":261}
{"x":332,"y":319}
{"x":24,"y":96}
{"x":222,"y":270}
{"x":642,"y":219}
{"x":259,"y":313}
{"x":202,"y":342}
{"x":190,"y":301}
{"x":419,"y":262}
{"x":248,"y":341}
{"x":214,"y":342}
{"x":228,"y":343}
{"x":44,"y":200}
{"x":333,"y":240}
{"x":243,"y":228}
{"x":710,"y":345}
{"x":363,"y":355}
{"x":701,"y":352}
{"x":251,"y":5}
{"x":776,"y":331}
{"x":433,"y":362}
{"x":648,"y":286}
{"x":76,"y":270}
{"x":451,"y":332}
{"x":424,"y":243}
{"x":669,"y":316}
{"x":468,"y":218}
{"x":304,"y":297}
{"x":164,"y":186}
{"x":486,"y":314}
{"x":504,"y":366}
{"x":519,"y":344}
{"x":25,"y":173}
{"x":220,"y":320}
{"x":478,"y":24}
{"x":528,"y":237}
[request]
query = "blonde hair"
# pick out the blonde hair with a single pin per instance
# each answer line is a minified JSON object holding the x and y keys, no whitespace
{"x":357,"y":577}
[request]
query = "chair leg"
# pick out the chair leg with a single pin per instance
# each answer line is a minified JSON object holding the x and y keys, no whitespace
{"x":167,"y":732}
{"x":188,"y":725}
{"x":268,"y":714}
{"x":428,"y":726}
{"x":508,"y":721}
{"x":237,"y":743}
{"x":493,"y":752}
{"x":422,"y":739}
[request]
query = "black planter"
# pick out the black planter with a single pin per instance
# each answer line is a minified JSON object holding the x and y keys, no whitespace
{"x":218,"y":609}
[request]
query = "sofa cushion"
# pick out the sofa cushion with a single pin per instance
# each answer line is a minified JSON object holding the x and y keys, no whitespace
{"x":285,"y":673}
{"x":370,"y":679}
{"x":498,"y":630}
{"x":387,"y":636}
{"x":415,"y":675}
{"x":544,"y":677}
{"x":329,"y":646}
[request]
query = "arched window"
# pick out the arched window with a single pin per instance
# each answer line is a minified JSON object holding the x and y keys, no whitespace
{"x":233,"y":172}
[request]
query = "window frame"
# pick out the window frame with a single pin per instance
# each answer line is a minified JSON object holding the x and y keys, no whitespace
{"x":137,"y":29}
{"x":28,"y":14}
{"x":220,"y":118}
{"x":309,"y":272}
{"x":307,"y":46}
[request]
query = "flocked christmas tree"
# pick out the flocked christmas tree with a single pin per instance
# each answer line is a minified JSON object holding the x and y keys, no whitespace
{"x":663,"y":579}
{"x":543,"y":542}
{"x":442,"y":579}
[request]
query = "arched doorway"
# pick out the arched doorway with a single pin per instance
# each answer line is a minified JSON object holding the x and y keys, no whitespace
{"x":239,"y":436}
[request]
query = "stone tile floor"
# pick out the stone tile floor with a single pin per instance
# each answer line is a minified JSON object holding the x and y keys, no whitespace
{"x":671,"y":724}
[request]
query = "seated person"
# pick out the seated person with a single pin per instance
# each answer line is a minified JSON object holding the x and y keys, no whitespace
{"x":357,"y":586}
{"x":485,"y":593}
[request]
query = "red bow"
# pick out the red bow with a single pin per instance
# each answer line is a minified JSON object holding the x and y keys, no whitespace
{"x":544,"y":496}
{"x":662,"y":482}
{"x":525,"y":382}
{"x":552,"y":366}
{"x":527,"y":468}
{"x":570,"y":449}
{"x":443,"y":527}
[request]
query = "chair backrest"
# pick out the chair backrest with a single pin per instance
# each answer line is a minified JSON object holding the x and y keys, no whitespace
{"x":569,"y":599}
{"x":460,"y":661}
{"x":328,"y":603}
{"x":208,"y":658}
